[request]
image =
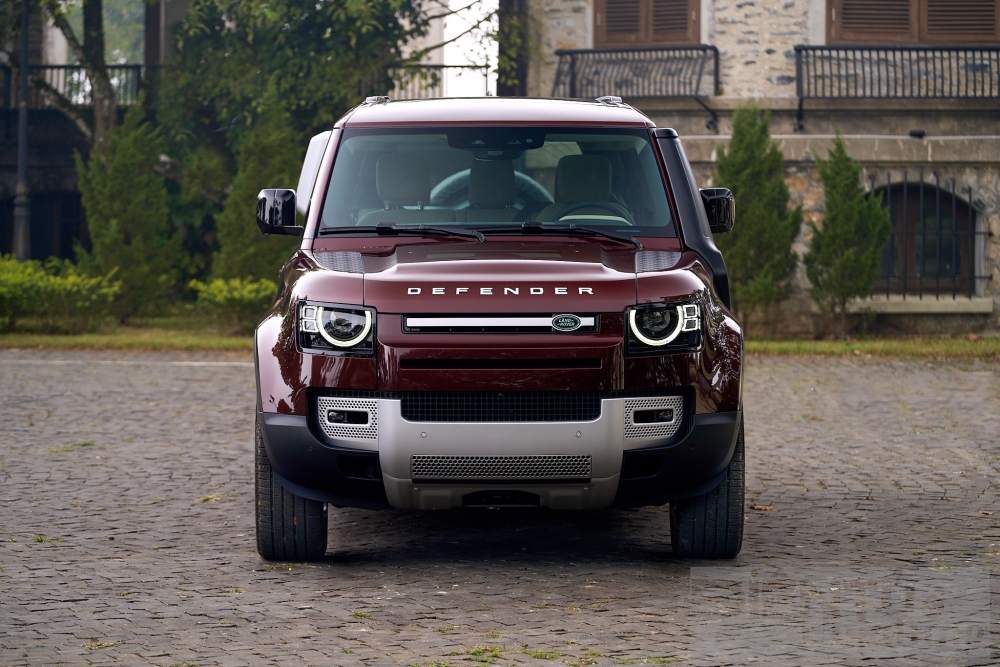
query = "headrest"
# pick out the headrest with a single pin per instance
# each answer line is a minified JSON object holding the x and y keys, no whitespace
{"x":491,"y":184}
{"x":402,"y":178}
{"x":582,"y":178}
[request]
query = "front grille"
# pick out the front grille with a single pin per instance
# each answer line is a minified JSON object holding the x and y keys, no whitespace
{"x":514,"y":406}
{"x":555,"y":466}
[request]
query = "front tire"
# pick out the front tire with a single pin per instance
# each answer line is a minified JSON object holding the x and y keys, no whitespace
{"x":289,"y":527}
{"x":711,"y":525}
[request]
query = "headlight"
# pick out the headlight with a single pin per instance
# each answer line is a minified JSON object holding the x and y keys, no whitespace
{"x":332,"y":327}
{"x":664,"y":328}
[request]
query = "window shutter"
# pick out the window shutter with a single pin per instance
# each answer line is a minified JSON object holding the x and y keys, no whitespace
{"x":621,"y":20}
{"x":883,"y":16}
{"x":873,"y":22}
{"x":961,"y":21}
{"x":674,"y":21}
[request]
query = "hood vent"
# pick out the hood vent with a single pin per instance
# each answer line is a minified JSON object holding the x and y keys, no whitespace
{"x":343,"y":261}
{"x":655,"y":260}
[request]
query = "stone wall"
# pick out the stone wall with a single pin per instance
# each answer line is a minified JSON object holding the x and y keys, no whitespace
{"x":976,"y":167}
{"x":554,"y":25}
{"x":756,"y":40}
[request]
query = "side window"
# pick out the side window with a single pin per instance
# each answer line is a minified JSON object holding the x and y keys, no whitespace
{"x":646,"y":22}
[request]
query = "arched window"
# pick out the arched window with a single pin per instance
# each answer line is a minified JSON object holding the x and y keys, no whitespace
{"x":934,"y":245}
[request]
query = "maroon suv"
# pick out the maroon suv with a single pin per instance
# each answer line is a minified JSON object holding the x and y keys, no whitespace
{"x":499,"y":302}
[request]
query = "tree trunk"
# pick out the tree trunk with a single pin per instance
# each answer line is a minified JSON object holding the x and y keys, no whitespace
{"x":512,"y":48}
{"x":102,"y":94}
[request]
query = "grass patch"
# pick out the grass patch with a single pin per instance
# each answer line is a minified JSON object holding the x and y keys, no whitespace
{"x":653,"y":660}
{"x":41,"y":539}
{"x":231,"y":590}
{"x":361,"y":614}
{"x":131,"y":338}
{"x":980,"y":349}
{"x":216,"y":497}
{"x":72,"y":447}
{"x":484,"y":654}
{"x":544,"y":655}
{"x":96,"y":645}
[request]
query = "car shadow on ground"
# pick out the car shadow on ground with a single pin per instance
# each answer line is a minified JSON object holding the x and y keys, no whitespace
{"x":500,"y":535}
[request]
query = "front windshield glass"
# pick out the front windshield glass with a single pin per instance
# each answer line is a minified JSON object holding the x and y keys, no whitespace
{"x":498,"y":177}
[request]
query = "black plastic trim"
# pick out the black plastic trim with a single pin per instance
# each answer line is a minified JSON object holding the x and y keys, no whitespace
{"x":691,"y":212}
{"x":309,"y":468}
{"x":690,"y":467}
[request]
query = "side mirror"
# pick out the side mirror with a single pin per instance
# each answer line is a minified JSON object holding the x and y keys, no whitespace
{"x":276,"y":213}
{"x":721,"y":209}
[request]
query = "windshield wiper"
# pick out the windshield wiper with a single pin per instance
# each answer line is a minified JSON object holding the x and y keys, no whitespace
{"x":538,"y":228}
{"x":391,"y":229}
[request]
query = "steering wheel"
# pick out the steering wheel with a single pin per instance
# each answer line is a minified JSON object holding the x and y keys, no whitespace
{"x":617,"y":209}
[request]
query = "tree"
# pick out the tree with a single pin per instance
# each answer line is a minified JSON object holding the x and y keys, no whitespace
{"x":127,"y":219}
{"x":758,"y":253}
{"x":270,"y":158}
{"x":90,"y":52}
{"x":844,"y":256}
{"x":512,"y":48}
{"x":317,"y":56}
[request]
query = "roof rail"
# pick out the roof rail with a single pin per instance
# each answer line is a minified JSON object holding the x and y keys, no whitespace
{"x":378,"y":99}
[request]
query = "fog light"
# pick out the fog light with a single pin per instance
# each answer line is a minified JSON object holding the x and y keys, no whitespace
{"x":653,"y":416}
{"x":347,"y":416}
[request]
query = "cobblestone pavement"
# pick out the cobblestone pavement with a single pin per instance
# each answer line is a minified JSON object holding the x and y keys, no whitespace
{"x":126,"y":536}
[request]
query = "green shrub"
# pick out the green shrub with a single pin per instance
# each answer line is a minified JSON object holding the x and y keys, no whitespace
{"x":270,"y":157}
{"x":54,"y":294}
{"x":238,"y":303}
{"x":845,"y":251}
{"x":127,"y":218}
{"x":758,"y":252}
{"x":20,"y":283}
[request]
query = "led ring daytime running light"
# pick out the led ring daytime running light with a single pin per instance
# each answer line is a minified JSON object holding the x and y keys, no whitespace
{"x":663,"y":341}
{"x":343,"y":343}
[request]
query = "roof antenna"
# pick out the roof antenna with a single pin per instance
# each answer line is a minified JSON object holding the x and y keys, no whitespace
{"x":378,"y":99}
{"x":610,"y":100}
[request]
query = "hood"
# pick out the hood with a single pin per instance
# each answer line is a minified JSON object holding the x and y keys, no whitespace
{"x":531,"y":276}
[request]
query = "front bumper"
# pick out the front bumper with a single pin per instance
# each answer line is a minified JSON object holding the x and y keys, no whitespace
{"x":374,"y":468}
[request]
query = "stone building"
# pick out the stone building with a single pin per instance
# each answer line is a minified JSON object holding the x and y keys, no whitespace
{"x":914,"y":85}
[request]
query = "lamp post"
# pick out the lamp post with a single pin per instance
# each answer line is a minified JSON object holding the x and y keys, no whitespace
{"x":22,"y":205}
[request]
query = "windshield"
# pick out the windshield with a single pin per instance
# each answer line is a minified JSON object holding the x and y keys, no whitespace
{"x":486,"y":178}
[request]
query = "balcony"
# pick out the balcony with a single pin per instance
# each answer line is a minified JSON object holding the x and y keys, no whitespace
{"x":897,"y":72}
{"x":683,"y":71}
{"x":418,"y":82}
{"x":70,"y":82}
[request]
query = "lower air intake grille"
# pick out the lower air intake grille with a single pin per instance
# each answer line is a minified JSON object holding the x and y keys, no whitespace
{"x":515,"y":406}
{"x":564,"y":466}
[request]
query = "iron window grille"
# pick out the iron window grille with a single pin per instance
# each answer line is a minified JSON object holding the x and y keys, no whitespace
{"x":938,"y":242}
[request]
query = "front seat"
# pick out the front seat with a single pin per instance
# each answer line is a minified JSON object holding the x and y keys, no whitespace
{"x":403,"y":179}
{"x":580,"y":178}
{"x":492,"y":193}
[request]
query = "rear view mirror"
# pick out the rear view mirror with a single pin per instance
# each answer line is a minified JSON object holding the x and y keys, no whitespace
{"x":276,"y":213}
{"x":721,"y":209}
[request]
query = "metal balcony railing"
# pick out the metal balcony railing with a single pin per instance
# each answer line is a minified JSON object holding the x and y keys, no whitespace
{"x":419,"y":82}
{"x":72,"y":83}
{"x":638,"y":73}
{"x":888,"y":72}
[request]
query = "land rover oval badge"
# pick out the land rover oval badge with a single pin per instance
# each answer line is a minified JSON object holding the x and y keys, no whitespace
{"x":566,"y":322}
